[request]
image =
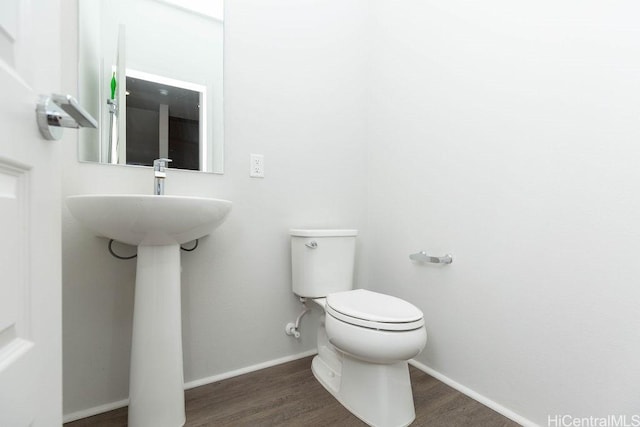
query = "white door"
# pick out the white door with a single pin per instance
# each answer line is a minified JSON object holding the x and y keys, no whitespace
{"x":30,"y":277}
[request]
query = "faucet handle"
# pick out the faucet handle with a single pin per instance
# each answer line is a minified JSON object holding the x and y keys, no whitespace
{"x":161,"y":163}
{"x":159,"y":166}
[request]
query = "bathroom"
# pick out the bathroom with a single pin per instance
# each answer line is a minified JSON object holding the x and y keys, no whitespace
{"x":505,"y":133}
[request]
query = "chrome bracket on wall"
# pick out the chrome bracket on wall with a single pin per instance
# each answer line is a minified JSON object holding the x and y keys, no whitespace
{"x":423,"y":257}
{"x":61,"y":111}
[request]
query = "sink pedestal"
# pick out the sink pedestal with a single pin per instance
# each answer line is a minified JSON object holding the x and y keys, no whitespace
{"x":156,"y":384}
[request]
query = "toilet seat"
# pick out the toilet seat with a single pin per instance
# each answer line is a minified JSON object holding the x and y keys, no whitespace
{"x":373,"y":310}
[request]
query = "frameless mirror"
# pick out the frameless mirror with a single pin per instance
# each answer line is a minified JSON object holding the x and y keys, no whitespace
{"x":150,"y":72}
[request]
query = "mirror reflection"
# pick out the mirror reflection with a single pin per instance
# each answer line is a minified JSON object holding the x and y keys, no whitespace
{"x":151,"y":71}
{"x":165,"y":121}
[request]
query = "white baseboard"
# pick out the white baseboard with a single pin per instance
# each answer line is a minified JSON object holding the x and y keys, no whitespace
{"x":474,"y":395}
{"x":252,"y":368}
{"x":191,"y":384}
{"x":94,"y":411}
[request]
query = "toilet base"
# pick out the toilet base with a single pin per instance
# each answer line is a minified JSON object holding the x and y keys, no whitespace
{"x":378,"y":394}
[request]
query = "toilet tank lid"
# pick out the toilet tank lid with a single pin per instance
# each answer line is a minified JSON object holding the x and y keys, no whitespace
{"x":299,"y":232}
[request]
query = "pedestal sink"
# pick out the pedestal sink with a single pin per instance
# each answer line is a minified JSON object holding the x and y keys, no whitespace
{"x":158,"y":225}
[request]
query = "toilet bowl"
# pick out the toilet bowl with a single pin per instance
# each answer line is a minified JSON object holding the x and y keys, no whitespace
{"x":374,"y":327}
{"x":365,"y":338}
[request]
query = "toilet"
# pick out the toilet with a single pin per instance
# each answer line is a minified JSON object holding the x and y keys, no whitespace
{"x":365,"y":338}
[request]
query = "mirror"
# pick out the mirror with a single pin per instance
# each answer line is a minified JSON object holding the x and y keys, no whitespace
{"x":151,"y":73}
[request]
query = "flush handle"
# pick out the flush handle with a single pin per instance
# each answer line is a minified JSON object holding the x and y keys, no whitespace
{"x":312,"y":244}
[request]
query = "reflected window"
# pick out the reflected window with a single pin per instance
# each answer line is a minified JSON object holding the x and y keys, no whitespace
{"x":163,"y":120}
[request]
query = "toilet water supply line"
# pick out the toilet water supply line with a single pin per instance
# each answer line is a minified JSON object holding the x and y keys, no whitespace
{"x":292,"y":328}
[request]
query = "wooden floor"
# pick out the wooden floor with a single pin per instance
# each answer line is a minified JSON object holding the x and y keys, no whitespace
{"x":289,"y":395}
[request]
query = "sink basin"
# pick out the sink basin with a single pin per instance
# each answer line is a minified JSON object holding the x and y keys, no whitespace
{"x":158,"y":225}
{"x":149,"y":220}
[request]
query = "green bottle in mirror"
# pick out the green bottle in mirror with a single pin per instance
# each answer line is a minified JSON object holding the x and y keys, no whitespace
{"x":113,"y":86}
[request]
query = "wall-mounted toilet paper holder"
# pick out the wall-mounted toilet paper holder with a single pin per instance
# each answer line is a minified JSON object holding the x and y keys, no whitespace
{"x":422,"y":256}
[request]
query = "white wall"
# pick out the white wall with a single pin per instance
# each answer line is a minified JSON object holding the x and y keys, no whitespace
{"x":509,"y":134}
{"x":293,"y":92}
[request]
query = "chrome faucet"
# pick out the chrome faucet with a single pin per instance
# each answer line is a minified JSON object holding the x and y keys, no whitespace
{"x":160,"y":173}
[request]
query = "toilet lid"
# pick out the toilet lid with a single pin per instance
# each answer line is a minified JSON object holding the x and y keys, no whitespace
{"x":373,"y":310}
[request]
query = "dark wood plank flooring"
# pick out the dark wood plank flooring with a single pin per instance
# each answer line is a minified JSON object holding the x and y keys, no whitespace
{"x":288,"y":395}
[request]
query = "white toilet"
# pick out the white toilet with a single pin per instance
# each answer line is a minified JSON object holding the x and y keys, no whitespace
{"x":366,"y":338}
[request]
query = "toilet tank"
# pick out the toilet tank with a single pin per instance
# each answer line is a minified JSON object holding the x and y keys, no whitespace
{"x":322,"y":261}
